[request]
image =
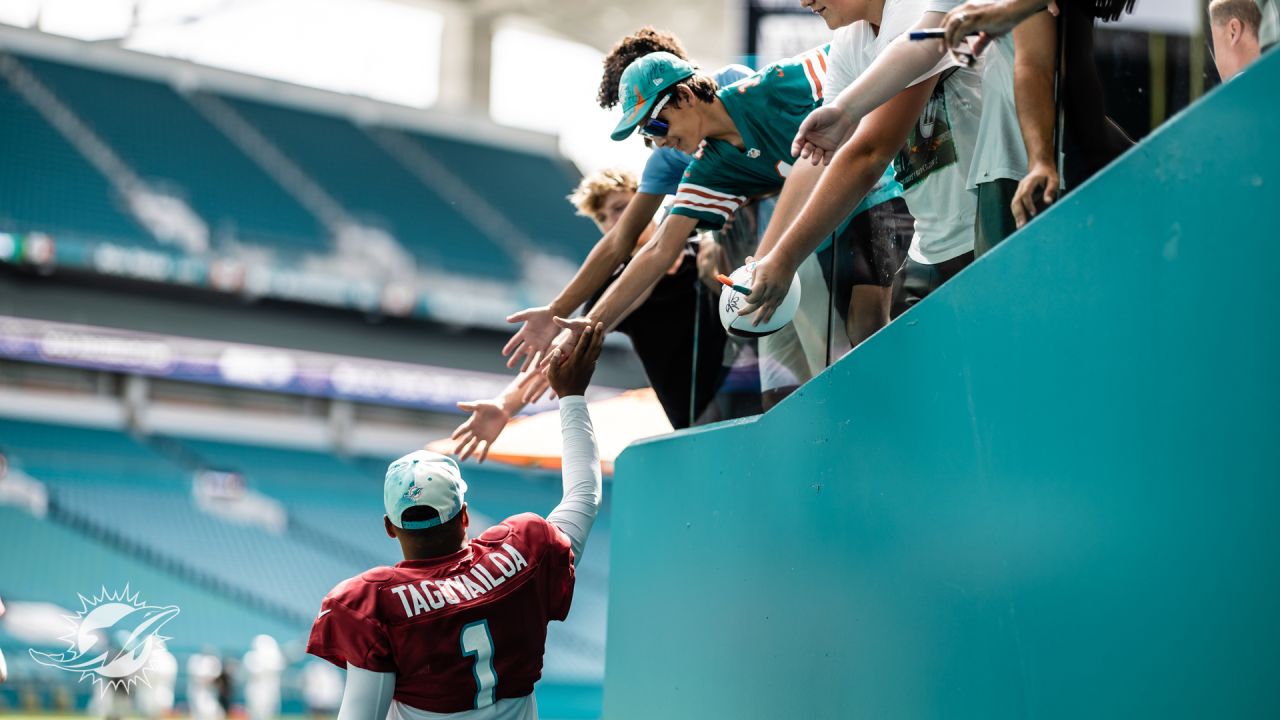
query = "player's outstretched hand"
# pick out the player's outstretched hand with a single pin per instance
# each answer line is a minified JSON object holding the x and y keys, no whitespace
{"x":770,"y":282}
{"x":571,"y":374}
{"x":570,"y":330}
{"x":1035,"y":192}
{"x":822,"y":133}
{"x":487,"y":421}
{"x":533,"y":337}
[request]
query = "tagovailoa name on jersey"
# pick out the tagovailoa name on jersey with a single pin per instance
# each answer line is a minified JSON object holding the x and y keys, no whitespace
{"x":429,"y":595}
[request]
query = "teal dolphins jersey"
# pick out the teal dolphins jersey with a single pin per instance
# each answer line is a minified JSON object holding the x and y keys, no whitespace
{"x":767,"y":107}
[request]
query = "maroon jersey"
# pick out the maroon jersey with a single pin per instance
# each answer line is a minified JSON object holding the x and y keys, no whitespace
{"x":459,"y":631}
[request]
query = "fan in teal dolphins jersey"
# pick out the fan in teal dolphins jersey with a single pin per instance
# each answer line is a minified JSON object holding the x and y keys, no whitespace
{"x":740,"y":138}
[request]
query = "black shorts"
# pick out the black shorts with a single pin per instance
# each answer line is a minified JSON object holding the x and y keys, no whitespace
{"x":917,"y":281}
{"x":870,"y":250}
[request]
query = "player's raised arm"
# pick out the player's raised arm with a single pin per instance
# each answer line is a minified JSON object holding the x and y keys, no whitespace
{"x":570,"y":375}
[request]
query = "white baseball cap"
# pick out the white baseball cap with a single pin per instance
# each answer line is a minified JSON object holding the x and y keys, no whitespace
{"x":427,"y":479}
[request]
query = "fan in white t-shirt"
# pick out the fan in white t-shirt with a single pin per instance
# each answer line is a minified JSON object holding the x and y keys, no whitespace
{"x":1016,"y":131}
{"x":927,"y":125}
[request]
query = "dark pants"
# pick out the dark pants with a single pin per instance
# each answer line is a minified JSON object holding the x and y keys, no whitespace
{"x":916,"y":280}
{"x":995,"y":220}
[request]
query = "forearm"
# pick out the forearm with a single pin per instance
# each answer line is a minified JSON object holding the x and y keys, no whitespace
{"x":581,"y":474}
{"x":646,"y":268}
{"x":854,"y":171}
{"x":894,"y":69}
{"x":612,"y":250}
{"x":367,"y":695}
{"x":512,"y":397}
{"x":1034,"y":47}
{"x":796,"y":191}
{"x":1022,"y":9}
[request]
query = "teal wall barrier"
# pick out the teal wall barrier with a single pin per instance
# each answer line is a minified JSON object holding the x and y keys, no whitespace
{"x":1050,"y":491}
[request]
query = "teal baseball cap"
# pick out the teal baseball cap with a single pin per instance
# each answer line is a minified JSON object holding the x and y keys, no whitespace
{"x":642,"y":84}
{"x":427,"y":479}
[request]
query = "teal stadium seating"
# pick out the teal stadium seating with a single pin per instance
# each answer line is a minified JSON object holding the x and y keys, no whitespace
{"x":379,"y":191}
{"x":531,"y":190}
{"x":45,"y":561}
{"x":47,"y":185}
{"x":62,"y":453}
{"x":168,"y":143}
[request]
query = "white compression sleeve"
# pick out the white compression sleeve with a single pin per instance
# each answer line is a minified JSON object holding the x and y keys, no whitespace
{"x":581,"y":468}
{"x":367,"y":695}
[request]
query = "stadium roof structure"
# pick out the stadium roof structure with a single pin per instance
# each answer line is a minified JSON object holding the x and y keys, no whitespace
{"x":710,"y":31}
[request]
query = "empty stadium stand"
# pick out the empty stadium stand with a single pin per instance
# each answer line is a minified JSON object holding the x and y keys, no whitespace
{"x":458,"y":207}
{"x":378,"y":191}
{"x":46,"y":561}
{"x":169,"y":144}
{"x":42,"y":172}
{"x":529,"y":189}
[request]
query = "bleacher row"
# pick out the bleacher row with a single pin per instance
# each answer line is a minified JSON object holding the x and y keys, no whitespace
{"x":121,"y":510}
{"x":161,"y":134}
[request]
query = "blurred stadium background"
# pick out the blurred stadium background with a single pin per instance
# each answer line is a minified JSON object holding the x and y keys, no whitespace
{"x":251,"y":250}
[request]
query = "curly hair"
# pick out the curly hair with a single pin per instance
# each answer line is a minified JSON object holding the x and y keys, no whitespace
{"x":701,"y":87}
{"x":589,"y":196}
{"x":642,"y":42}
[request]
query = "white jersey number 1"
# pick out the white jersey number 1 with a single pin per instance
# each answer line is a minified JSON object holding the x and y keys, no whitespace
{"x":477,"y":641}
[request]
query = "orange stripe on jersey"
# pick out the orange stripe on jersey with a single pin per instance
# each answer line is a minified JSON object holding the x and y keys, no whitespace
{"x":813,"y":78}
{"x":822,"y":60}
{"x":721,"y":198}
{"x":693,"y":205}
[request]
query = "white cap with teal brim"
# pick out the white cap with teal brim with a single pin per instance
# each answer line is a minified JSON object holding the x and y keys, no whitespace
{"x":423,"y":478}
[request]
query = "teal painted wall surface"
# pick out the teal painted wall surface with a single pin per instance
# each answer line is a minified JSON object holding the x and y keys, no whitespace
{"x":1052,"y":490}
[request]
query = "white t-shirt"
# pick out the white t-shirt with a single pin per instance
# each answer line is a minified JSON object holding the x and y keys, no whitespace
{"x":934,"y":165}
{"x":1003,"y":154}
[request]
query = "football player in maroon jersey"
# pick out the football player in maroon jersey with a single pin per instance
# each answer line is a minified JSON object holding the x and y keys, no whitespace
{"x":458,"y":629}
